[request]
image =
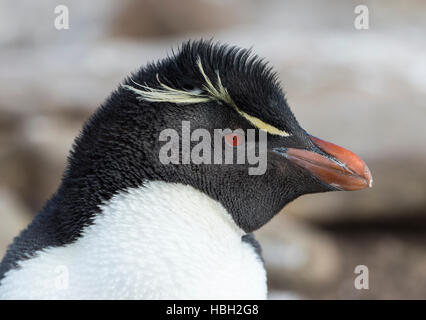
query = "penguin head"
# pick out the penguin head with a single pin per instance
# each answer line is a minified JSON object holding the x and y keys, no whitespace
{"x":177,"y":120}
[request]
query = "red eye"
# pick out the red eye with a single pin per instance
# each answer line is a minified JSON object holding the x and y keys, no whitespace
{"x":234,"y":139}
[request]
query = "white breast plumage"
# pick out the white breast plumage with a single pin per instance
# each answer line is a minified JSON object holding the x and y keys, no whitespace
{"x":160,"y":241}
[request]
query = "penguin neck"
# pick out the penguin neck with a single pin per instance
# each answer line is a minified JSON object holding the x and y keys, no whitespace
{"x":165,"y":206}
{"x":174,"y":236}
{"x":159,"y":241}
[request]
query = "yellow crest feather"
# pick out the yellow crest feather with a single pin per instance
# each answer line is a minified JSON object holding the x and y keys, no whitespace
{"x":169,"y":94}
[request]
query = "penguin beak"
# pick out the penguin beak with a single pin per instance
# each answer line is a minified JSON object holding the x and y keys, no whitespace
{"x":342,"y":169}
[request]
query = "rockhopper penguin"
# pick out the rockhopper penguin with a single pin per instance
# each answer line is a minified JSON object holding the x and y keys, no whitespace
{"x":125,"y":225}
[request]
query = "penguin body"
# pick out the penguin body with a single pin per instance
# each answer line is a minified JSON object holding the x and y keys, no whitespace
{"x":194,"y":248}
{"x":124,"y":224}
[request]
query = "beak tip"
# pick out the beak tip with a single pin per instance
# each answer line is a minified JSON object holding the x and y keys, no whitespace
{"x":360,"y":178}
{"x":368,"y":177}
{"x":370,"y":182}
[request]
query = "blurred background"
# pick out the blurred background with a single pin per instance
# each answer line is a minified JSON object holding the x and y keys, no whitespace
{"x":362,"y":89}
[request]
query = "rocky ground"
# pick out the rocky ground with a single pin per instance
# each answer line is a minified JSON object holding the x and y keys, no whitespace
{"x":364,"y":90}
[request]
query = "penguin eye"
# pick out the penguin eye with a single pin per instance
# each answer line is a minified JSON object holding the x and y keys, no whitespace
{"x":234,"y":139}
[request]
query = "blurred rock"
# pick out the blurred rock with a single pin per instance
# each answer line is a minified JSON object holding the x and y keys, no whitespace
{"x":34,"y":156}
{"x":13,"y":216}
{"x":396,"y":264}
{"x":297,"y":255}
{"x":153,"y":18}
{"x":283,"y":295}
{"x":16,"y":167}
{"x":47,"y":141}
{"x":88,"y":20}
{"x":399,"y":192}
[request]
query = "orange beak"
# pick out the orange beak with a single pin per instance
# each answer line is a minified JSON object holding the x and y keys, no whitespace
{"x":343,"y":170}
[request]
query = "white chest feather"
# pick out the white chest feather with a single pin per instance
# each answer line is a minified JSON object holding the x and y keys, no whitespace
{"x":162,"y":241}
